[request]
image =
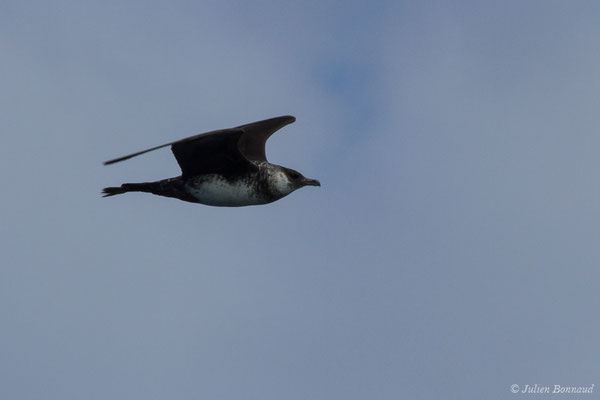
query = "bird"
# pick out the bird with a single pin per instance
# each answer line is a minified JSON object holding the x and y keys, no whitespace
{"x":223,"y":168}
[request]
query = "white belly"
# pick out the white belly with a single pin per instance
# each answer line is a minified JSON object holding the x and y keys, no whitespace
{"x":213,"y":191}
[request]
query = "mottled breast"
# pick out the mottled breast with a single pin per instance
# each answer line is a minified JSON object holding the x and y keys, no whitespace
{"x":214,"y":190}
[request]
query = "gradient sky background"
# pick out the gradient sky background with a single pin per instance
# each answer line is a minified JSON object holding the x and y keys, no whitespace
{"x":453,"y":249}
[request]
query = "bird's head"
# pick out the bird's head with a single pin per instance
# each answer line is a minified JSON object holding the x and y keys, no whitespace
{"x":286,"y":180}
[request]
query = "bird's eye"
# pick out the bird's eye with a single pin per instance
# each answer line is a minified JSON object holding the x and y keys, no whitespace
{"x":294,"y":175}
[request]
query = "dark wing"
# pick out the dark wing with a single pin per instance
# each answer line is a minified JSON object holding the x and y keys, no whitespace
{"x":226,"y":151}
{"x":212,"y":153}
{"x":252,"y":142}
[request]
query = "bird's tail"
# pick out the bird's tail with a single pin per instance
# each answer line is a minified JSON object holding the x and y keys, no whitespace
{"x":173,"y":187}
{"x":128,"y":187}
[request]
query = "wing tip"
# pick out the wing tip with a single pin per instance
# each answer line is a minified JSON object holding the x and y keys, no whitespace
{"x":115,"y":160}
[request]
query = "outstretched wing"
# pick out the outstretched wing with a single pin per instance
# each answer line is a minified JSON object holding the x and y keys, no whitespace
{"x":225,"y":151}
{"x":252,"y":142}
{"x":211,"y":153}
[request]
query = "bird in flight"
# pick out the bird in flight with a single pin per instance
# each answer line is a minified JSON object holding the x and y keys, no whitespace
{"x":226,"y":168}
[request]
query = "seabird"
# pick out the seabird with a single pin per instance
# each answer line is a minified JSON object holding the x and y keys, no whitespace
{"x":226,"y":168}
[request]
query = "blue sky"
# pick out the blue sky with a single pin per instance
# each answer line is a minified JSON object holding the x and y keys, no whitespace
{"x":451,"y":252}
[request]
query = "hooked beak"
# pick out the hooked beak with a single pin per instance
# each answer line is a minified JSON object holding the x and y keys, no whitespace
{"x":311,"y":182}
